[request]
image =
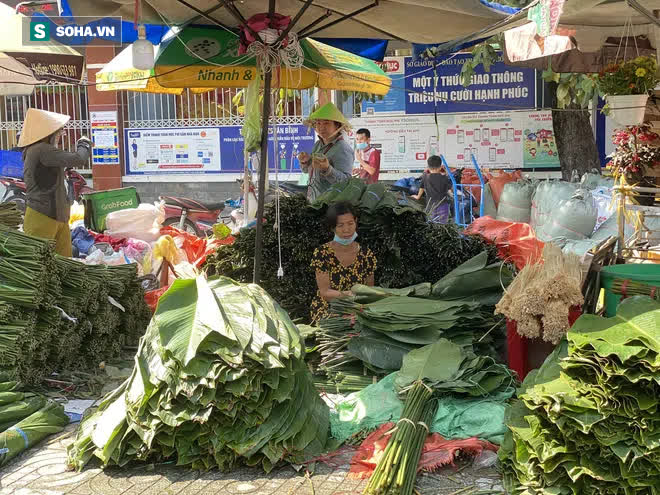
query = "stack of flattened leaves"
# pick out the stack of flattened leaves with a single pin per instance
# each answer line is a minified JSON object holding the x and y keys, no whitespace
{"x":588,"y":421}
{"x":219,"y":380}
{"x":459,"y":307}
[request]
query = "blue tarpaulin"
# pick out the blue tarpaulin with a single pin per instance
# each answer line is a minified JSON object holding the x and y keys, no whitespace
{"x":11,"y":164}
{"x":368,"y":48}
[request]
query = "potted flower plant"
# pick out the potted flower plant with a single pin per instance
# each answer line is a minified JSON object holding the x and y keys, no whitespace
{"x":626,"y":87}
{"x":636,"y":159}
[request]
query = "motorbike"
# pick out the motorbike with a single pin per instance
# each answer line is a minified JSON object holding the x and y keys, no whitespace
{"x":189,"y":215}
{"x":15,"y":189}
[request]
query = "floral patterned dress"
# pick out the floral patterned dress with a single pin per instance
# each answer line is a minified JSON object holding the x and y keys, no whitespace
{"x":342,"y":278}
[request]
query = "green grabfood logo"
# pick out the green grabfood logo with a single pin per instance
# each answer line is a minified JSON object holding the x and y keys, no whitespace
{"x":39,"y":31}
{"x":117,"y":204}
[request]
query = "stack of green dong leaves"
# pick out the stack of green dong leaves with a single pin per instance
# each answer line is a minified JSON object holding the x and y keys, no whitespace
{"x":391,"y":322}
{"x":219,"y":379}
{"x":25,"y":419}
{"x":56,"y":313}
{"x":588,"y":422}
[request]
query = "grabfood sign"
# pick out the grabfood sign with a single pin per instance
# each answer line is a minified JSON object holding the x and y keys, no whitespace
{"x":104,"y":31}
{"x":118,"y":205}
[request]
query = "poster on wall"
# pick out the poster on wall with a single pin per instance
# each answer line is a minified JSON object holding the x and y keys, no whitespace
{"x":291,"y":140}
{"x":104,"y":138}
{"x":208,"y":150}
{"x":420,"y":87}
{"x":496,"y":139}
{"x":174,"y":150}
{"x":394,"y":102}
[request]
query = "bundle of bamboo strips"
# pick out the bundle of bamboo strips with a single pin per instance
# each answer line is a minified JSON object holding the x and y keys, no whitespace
{"x":541,"y":296}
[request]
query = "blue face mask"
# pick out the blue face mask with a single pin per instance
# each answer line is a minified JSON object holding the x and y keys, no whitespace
{"x":361,"y":146}
{"x":345,"y":242}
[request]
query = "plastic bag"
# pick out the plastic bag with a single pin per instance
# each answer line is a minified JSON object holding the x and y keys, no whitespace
{"x":137,"y":249}
{"x":166,"y":248}
{"x":546,"y":199}
{"x":515,"y":242}
{"x":604,"y":204}
{"x":575,"y":218}
{"x":595,"y":180}
{"x":498,"y":182}
{"x":98,"y":257}
{"x":142,"y":223}
{"x":516,"y":202}
{"x":490,"y":210}
{"x":577,"y":247}
{"x":251,"y":130}
{"x":485,"y":460}
{"x":77,"y":213}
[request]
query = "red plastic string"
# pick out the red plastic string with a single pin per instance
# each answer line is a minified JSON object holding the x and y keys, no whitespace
{"x":624,"y":288}
{"x":137,"y":12}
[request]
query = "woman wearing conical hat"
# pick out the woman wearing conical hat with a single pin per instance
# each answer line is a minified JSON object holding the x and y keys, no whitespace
{"x":331,"y":160}
{"x":47,"y":212}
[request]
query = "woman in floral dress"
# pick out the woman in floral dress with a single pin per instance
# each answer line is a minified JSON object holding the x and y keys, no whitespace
{"x":341,"y":263}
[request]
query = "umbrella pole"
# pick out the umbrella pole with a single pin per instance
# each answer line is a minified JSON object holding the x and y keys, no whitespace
{"x":263,"y":172}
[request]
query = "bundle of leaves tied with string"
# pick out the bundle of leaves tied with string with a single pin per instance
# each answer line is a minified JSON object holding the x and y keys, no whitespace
{"x":336,"y":369}
{"x":25,"y":419}
{"x":409,"y":249}
{"x":57,"y":313}
{"x":10,"y":215}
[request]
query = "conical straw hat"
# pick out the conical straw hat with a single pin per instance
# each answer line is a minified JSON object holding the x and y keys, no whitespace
{"x":329,"y":111}
{"x":40,"y":124}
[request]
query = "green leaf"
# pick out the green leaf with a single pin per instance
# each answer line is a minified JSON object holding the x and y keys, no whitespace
{"x":563,"y":92}
{"x":437,"y":362}
{"x":379,"y":350}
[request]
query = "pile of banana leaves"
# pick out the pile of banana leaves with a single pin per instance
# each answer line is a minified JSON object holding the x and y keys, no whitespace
{"x":219,"y":380}
{"x":386,"y":324}
{"x":588,"y":421}
{"x":57,"y":313}
{"x":409,"y":249}
{"x":25,"y":420}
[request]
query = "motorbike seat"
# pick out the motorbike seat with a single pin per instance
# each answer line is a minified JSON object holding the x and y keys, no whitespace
{"x":191,"y":204}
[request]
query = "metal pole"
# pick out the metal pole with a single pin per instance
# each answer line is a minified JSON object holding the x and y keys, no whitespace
{"x":263,"y":172}
{"x":263,"y":167}
{"x":621,"y":221}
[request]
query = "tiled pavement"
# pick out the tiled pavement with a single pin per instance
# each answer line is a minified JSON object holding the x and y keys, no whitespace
{"x":42,"y":471}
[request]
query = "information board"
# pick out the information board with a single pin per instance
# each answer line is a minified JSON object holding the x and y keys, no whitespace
{"x":430,"y":86}
{"x":105,"y":138}
{"x":496,"y":139}
{"x":208,"y":150}
{"x":178,"y":150}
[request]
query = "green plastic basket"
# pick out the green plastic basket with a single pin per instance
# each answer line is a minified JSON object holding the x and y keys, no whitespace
{"x":99,"y":204}
{"x":648,"y":274}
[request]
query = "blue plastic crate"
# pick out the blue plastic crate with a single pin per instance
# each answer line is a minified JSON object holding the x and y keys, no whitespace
{"x":11,"y":164}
